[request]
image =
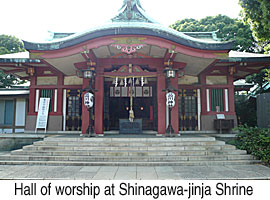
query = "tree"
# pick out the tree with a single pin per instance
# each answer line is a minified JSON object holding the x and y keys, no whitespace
{"x":7,"y":80}
{"x":9,"y":44}
{"x":267,"y":75}
{"x":226,"y":27}
{"x":244,"y":115}
{"x":256,"y":14}
{"x":3,"y":50}
{"x":260,"y":79}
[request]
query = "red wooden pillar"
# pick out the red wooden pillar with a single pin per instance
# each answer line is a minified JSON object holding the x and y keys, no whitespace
{"x":99,"y":103}
{"x":85,"y":113}
{"x":32,"y":95}
{"x":203,"y":96}
{"x":60,"y":95}
{"x":175,"y":111}
{"x":161,"y":102}
{"x":231,"y":94}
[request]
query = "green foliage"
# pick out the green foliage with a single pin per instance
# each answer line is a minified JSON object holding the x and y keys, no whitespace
{"x":10,"y":44}
{"x":256,"y":14}
{"x":258,"y":78}
{"x":7,"y":80}
{"x":3,"y":50}
{"x":246,"y":109}
{"x":226,"y":27}
{"x":267,"y":75}
{"x":256,"y":141}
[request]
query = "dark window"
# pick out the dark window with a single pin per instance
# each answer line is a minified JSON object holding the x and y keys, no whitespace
{"x":6,"y":112}
{"x":217,"y":99}
{"x":47,"y":94}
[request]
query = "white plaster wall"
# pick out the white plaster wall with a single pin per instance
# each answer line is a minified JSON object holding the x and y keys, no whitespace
{"x":19,"y":130}
{"x":20,"y":112}
{"x":3,"y":130}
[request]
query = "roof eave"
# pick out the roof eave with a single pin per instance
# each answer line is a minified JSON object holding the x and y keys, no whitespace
{"x":113,"y":31}
{"x":245,"y":59}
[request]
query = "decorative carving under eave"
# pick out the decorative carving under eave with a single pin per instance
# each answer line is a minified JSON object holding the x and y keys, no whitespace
{"x":128,"y":48}
{"x":129,"y":45}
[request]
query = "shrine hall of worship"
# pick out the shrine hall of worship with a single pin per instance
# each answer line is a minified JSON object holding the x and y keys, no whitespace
{"x":130,"y":65}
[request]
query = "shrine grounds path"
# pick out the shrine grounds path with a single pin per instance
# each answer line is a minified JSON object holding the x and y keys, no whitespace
{"x":233,"y":172}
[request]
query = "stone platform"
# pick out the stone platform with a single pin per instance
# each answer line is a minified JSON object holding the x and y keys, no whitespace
{"x":137,"y":150}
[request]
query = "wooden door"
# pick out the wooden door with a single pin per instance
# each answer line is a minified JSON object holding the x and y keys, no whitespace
{"x":74,"y":110}
{"x":188,"y":110}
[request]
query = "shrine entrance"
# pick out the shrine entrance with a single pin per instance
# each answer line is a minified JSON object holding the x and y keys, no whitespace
{"x":117,"y":104}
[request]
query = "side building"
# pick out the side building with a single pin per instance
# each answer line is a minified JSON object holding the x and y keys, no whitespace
{"x":13,"y":109}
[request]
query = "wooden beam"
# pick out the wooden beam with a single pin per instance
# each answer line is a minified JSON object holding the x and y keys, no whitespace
{"x":169,"y":56}
{"x":245,"y":69}
{"x":31,"y":66}
{"x":84,"y":57}
{"x":14,"y":71}
{"x":25,"y":78}
{"x":90,"y":56}
{"x":80,"y":65}
{"x":209,"y":68}
{"x":179,"y":65}
{"x":134,"y":61}
{"x":133,"y":74}
{"x":52,"y":67}
{"x":10,"y":66}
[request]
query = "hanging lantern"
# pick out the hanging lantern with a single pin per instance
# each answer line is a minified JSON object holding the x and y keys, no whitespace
{"x":170,"y":72}
{"x":31,"y":71}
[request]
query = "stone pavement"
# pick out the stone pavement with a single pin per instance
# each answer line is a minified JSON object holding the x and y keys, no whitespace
{"x":234,"y":172}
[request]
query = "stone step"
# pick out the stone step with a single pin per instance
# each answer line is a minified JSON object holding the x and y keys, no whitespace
{"x":138,"y":148}
{"x":99,"y":151}
{"x":125,"y":144}
{"x":154,"y":139}
{"x":126,"y":153}
{"x":125,"y":158}
{"x":180,"y":163}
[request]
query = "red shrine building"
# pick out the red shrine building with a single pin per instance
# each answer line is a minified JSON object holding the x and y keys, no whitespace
{"x":127,"y":61}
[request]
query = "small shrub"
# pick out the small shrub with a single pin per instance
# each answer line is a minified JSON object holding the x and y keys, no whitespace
{"x":256,"y":141}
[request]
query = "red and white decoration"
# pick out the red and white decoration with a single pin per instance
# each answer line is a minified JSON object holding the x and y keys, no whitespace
{"x":128,"y":48}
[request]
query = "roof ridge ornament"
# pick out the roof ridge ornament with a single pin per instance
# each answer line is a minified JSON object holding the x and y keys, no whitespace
{"x":132,"y":2}
{"x":132,"y":11}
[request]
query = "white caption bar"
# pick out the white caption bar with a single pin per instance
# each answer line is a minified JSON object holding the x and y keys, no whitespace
{"x":189,"y":189}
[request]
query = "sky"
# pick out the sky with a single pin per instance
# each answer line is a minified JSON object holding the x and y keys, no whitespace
{"x":32,"y":19}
